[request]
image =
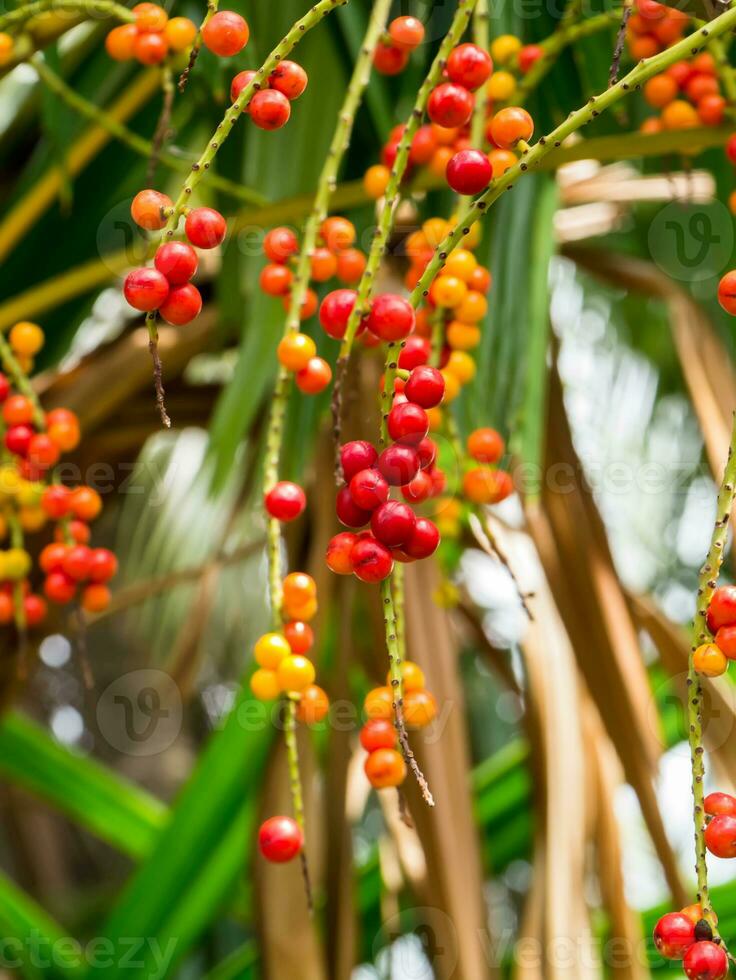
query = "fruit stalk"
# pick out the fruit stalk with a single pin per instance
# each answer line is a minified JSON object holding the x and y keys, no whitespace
{"x":481,"y":38}
{"x":707,"y":581}
{"x":534,"y":156}
{"x":95,"y":9}
{"x":295,"y":784}
{"x":196,"y":47}
{"x":21,"y":382}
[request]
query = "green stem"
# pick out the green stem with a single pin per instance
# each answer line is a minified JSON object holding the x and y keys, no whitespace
{"x":136,"y":143}
{"x":391,"y":199}
{"x":95,"y":9}
{"x":707,"y":581}
{"x":295,"y":783}
{"x":534,"y":155}
{"x":438,"y":336}
{"x":482,"y":39}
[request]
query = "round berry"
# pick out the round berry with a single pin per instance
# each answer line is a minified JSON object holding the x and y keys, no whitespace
{"x":484,"y":485}
{"x":205,"y":227}
{"x":450,"y":105}
{"x":722,"y":608}
{"x":314,"y":377}
{"x":225,"y":33}
{"x":355,"y":456}
{"x":424,"y":539}
{"x":705,"y":961}
{"x":299,"y":636}
{"x":103,"y":565}
{"x":350,"y":265}
{"x":348,"y":512}
{"x":418,"y":489}
{"x":709,"y":660}
{"x":279,"y":244}
{"x":150,"y":48}
{"x":149,"y":17}
{"x":420,"y":708}
{"x":673,"y":934}
{"x":180,"y":33}
{"x":18,"y":439}
{"x":469,"y":66}
{"x":393,"y":523}
{"x":275,"y":279}
{"x":389,"y":59}
{"x":378,"y":733}
{"x":35,"y":610}
{"x":86,"y":503}
{"x":270,"y":649}
{"x":372,"y":561}
{"x":295,"y":351}
{"x":469,"y":172}
{"x":120,"y":42}
{"x":726,"y":641}
{"x":183,"y":304}
{"x":486,"y":445}
{"x":289,"y":78}
{"x":338,"y":553}
{"x":335,"y":310}
{"x":239,"y":82}
{"x":720,"y":804}
{"x":313,"y":706}
{"x":416,"y":352}
{"x":145,"y":289}
{"x":148,"y":209}
{"x":391,"y":317}
{"x":264,"y":684}
{"x":269,"y":109}
{"x":407,"y":33}
{"x":177,"y":261}
{"x":399,"y":464}
{"x":427,"y":450}
{"x":280,"y":839}
{"x":529,"y":56}
{"x":385,"y":768}
{"x":727,"y":292}
{"x":425,"y":386}
{"x":77,"y":562}
{"x":720,"y":836}
{"x":368,"y":489}
{"x":59,"y":588}
{"x":510,"y":125}
{"x":286,"y":501}
{"x":408,"y":423}
{"x":26,"y":338}
{"x":295,"y":673}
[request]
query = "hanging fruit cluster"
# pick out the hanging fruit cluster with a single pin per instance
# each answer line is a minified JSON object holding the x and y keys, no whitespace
{"x":151,"y":37}
{"x":711,"y":659}
{"x":687,"y":936}
{"x":30,"y":498}
{"x":391,"y":55}
{"x":653,"y":27}
{"x":687,"y":94}
{"x":270,"y":106}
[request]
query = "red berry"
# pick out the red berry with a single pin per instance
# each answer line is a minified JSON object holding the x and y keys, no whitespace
{"x":150,"y":48}
{"x":469,"y":66}
{"x":4,"y":387}
{"x":425,"y":387}
{"x":469,"y":172}
{"x":731,"y":148}
{"x":59,"y":588}
{"x":406,"y":32}
{"x":415,"y":352}
{"x":225,"y":33}
{"x":356,"y":456}
{"x":391,"y":317}
{"x":239,"y":82}
{"x":338,"y":553}
{"x":722,"y":608}
{"x":335,"y":311}
{"x":372,"y":561}
{"x":183,"y":305}
{"x":418,"y":489}
{"x":145,"y":289}
{"x":348,"y":512}
{"x":52,"y":557}
{"x":103,"y":565}
{"x":368,"y":489}
{"x":269,"y":109}
{"x":377,"y":733}
{"x":408,"y":423}
{"x":77,"y":562}
{"x":177,"y":261}
{"x":35,"y":609}
{"x":720,"y":804}
{"x":314,"y":377}
{"x":280,"y":244}
{"x":450,"y":105}
{"x":399,"y":464}
{"x":727,"y":292}
{"x":393,"y":523}
{"x":388,"y":59}
{"x":280,"y":839}
{"x":205,"y":227}
{"x":529,"y":56}
{"x":299,"y":636}
{"x":289,"y":78}
{"x":720,"y":836}
{"x":56,"y":502}
{"x":705,"y":961}
{"x":424,"y":539}
{"x":275,"y":279}
{"x":427,"y":450}
{"x":286,"y":501}
{"x":726,"y":641}
{"x":18,"y":439}
{"x":673,"y":934}
{"x":43,"y":451}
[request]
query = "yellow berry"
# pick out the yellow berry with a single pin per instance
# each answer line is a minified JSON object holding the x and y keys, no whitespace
{"x":500,"y":86}
{"x":26,"y":338}
{"x":265,"y":684}
{"x":31,"y":518}
{"x":435,"y":229}
{"x":295,"y":351}
{"x":462,"y":336}
{"x":452,"y":385}
{"x":448,"y":291}
{"x":709,"y":660}
{"x":461,"y":263}
{"x":435,"y":418}
{"x":473,"y":307}
{"x":16,"y":564}
{"x":504,"y":48}
{"x":461,"y":365}
{"x":270,"y":650}
{"x":295,"y":673}
{"x":412,"y":676}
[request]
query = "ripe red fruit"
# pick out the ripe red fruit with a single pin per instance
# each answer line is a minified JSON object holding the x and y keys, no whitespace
{"x":377,"y":733}
{"x":705,"y":961}
{"x":720,"y":836}
{"x":275,"y":279}
{"x":205,"y":227}
{"x":145,"y":289}
{"x":510,"y":125}
{"x":335,"y":311}
{"x":731,"y":148}
{"x":408,"y":423}
{"x":424,"y":539}
{"x":177,"y":261}
{"x":59,"y":588}
{"x":35,"y":609}
{"x":356,"y":456}
{"x":280,"y":839}
{"x":314,"y":377}
{"x":727,"y":292}
{"x":529,"y":56}
{"x":148,"y":209}
{"x":103,"y":565}
{"x":389,"y":59}
{"x":399,"y":464}
{"x":391,"y":317}
{"x":225,"y":33}
{"x":393,"y":523}
{"x":77,"y":562}
{"x":338,"y":553}
{"x":239,"y":82}
{"x":348,"y":512}
{"x":17,"y":410}
{"x":286,"y":501}
{"x":406,"y":32}
{"x":418,"y":489}
{"x":269,"y":109}
{"x":150,"y":48}
{"x":427,"y":450}
{"x":42,"y":451}
{"x":726,"y":641}
{"x":720,"y":804}
{"x":52,"y":557}
{"x":368,"y":489}
{"x":469,"y":172}
{"x":4,"y":387}
{"x":183,"y":304}
{"x":469,"y":66}
{"x":425,"y":386}
{"x":450,"y":105}
{"x":56,"y":502}
{"x":279,"y":244}
{"x":415,"y":352}
{"x":289,"y":78}
{"x":372,"y":561}
{"x":722,"y":608}
{"x":673,"y":934}
{"x":18,"y":439}
{"x":299,"y":636}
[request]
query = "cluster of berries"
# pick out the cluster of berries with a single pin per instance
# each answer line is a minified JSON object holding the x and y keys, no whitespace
{"x":166,"y":286}
{"x":711,"y":659}
{"x":687,"y":94}
{"x":270,"y":107}
{"x":653,"y":27}
{"x":392,"y":51}
{"x":720,"y":833}
{"x":151,"y":37}
{"x":687,"y":936}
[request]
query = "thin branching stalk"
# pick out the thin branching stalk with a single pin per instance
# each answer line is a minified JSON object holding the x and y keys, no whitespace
{"x":707,"y":581}
{"x":95,"y":9}
{"x":533,"y":156}
{"x":618,"y":47}
{"x":161,"y":133}
{"x":295,"y":784}
{"x":197,"y":46}
{"x":482,"y":39}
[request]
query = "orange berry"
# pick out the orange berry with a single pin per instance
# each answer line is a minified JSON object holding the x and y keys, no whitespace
{"x":440,"y":158}
{"x":62,"y":427}
{"x":350,"y":265}
{"x":17,"y":410}
{"x":384,"y":768}
{"x":472,"y":309}
{"x":295,"y":351}
{"x":151,"y":48}
{"x":379,"y":703}
{"x":679,"y":114}
{"x":149,"y":17}
{"x":462,"y":336}
{"x":313,"y":705}
{"x":461,"y":365}
{"x":643,"y":46}
{"x":501,"y":161}
{"x":412,"y":676}
{"x":270,"y":649}
{"x":96,"y":598}
{"x":651,"y":125}
{"x":709,"y":660}
{"x":298,"y":588}
{"x":420,"y":708}
{"x":375,"y":180}
{"x":26,"y":338}
{"x":180,"y":33}
{"x":732,"y":202}
{"x":486,"y":445}
{"x":448,"y":291}
{"x":120,"y":42}
{"x":337,"y":233}
{"x":147,"y":209}
{"x":323,"y":264}
{"x":484,"y":485}
{"x":265,"y":684}
{"x":461,"y":263}
{"x":435,"y":416}
{"x":86,"y":503}
{"x":444,"y":136}
{"x":726,"y":294}
{"x":660,"y":91}
{"x":510,"y":125}
{"x":500,"y":86}
{"x":301,"y":610}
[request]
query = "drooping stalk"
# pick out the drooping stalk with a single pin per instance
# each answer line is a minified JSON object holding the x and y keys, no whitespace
{"x":707,"y":581}
{"x":534,"y":155}
{"x":95,"y":8}
{"x":197,"y":46}
{"x":481,"y":38}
